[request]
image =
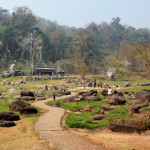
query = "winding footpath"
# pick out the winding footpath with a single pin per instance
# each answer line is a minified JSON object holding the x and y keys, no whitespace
{"x":49,"y":129}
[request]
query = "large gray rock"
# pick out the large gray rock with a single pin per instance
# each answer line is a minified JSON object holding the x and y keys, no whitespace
{"x":9,"y":116}
{"x":27,"y":98}
{"x":127,"y":97}
{"x":86,"y":108}
{"x":104,"y":92}
{"x":135,"y":108}
{"x":108,"y":107}
{"x":143,"y":95}
{"x":17,"y":105}
{"x":91,"y":98}
{"x":91,"y":92}
{"x":67,"y":93}
{"x":29,"y":110}
{"x":124,"y":128}
{"x":27,"y":93}
{"x":4,"y":123}
{"x":117,"y":100}
{"x":69,"y":99}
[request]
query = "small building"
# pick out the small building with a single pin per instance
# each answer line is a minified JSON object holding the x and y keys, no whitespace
{"x":45,"y":71}
{"x":61,"y":72}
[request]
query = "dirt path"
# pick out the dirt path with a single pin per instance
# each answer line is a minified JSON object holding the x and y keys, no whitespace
{"x":48,"y":128}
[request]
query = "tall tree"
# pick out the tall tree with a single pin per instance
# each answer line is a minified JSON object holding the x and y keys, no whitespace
{"x":23,"y":20}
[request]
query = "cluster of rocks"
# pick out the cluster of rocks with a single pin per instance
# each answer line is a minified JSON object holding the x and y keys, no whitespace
{"x":9,"y":83}
{"x":127,"y":126}
{"x":141,"y":100}
{"x":22,"y":107}
{"x":97,"y":84}
{"x":35,"y":78}
{"x":62,"y":90}
{"x":91,"y":95}
{"x":7,"y":119}
{"x":27,"y":95}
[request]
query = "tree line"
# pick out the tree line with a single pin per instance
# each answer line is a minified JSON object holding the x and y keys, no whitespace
{"x":29,"y":41}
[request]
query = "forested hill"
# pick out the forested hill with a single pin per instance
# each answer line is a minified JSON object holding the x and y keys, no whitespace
{"x":25,"y":37}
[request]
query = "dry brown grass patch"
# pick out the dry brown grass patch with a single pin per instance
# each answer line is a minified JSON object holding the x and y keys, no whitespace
{"x":118,"y":141}
{"x":21,"y":137}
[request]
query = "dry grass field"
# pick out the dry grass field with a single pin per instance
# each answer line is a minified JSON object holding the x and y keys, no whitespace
{"x":22,"y":137}
{"x":120,"y":141}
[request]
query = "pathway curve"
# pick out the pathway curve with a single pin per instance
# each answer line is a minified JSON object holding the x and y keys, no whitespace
{"x":48,"y":128}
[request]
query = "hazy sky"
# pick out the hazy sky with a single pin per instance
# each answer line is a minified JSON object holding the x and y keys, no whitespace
{"x":80,"y":13}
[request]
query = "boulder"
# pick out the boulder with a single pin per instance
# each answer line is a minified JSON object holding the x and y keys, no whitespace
{"x":27,"y":98}
{"x":135,"y":108}
{"x":108,"y":107}
{"x":69,"y":99}
{"x":29,"y":110}
{"x":98,"y":117}
{"x":127,"y":97}
{"x":67,"y":93}
{"x":120,"y":94}
{"x":126,"y":92}
{"x":104,"y":92}
{"x":117,"y":100}
{"x":91,"y":98}
{"x":4,"y":123}
{"x":57,"y":104}
{"x":91,"y":92}
{"x":143,"y":95}
{"x":9,"y":116}
{"x":136,"y":122}
{"x":86,"y":108}
{"x":17,"y":105}
{"x":136,"y":102}
{"x":27,"y":93}
{"x":123,"y":128}
{"x":82,"y":93}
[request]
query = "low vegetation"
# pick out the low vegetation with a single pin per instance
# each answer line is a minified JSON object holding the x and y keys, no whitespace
{"x":75,"y":120}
